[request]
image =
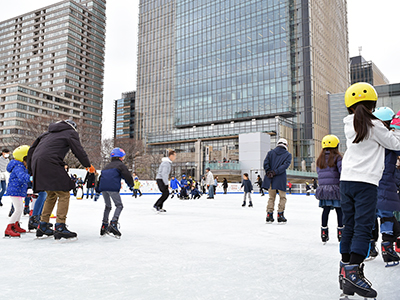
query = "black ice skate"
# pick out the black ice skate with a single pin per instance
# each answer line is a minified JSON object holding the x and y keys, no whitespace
{"x":103,"y":229}
{"x":354,"y":281}
{"x":270,"y":218}
{"x":61,"y":231}
{"x":341,"y":271}
{"x":244,"y":204}
{"x":113,"y":229}
{"x":324,"y":234}
{"x":44,"y":228}
{"x":26,"y":210}
{"x":11,"y":211}
{"x":339,"y":233}
{"x":390,"y":257}
{"x":33,"y":223}
{"x":281,"y":218}
{"x":250,"y":204}
{"x":373,"y":251}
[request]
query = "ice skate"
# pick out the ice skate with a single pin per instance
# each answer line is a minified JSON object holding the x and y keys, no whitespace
{"x":373,"y":251}
{"x":103,"y":229}
{"x":339,"y":233}
{"x":397,"y":245}
{"x":44,"y":228}
{"x":341,"y":273}
{"x":26,"y":210}
{"x":324,"y":234}
{"x":113,"y":230}
{"x":270,"y":218}
{"x":17,"y":228}
{"x":250,"y":204}
{"x":61,"y":231}
{"x":390,"y":257}
{"x":33,"y":223}
{"x":244,"y":204}
{"x":10,"y":231}
{"x":281,"y":218}
{"x":354,"y":282}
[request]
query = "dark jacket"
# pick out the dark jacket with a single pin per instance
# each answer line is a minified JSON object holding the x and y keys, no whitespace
{"x":277,"y":160}
{"x":329,"y":180}
{"x":111,"y":175}
{"x":19,"y":178}
{"x":46,"y":158}
{"x":225,"y":184}
{"x":248,"y":187}
{"x":90,"y":180}
{"x":387,"y":189}
{"x":259,"y":181}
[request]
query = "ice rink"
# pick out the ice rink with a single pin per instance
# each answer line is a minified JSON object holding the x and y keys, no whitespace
{"x":201,"y":249}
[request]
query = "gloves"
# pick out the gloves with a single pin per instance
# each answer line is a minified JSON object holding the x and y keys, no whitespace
{"x":395,"y":121}
{"x":31,"y":178}
{"x":131,"y":188}
{"x":91,"y":169}
{"x":271,"y":174}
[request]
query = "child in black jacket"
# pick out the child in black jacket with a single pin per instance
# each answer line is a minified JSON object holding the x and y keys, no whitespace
{"x":248,"y":187}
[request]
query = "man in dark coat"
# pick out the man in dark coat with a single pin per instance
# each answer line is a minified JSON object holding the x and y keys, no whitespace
{"x":46,"y":164}
{"x":275,"y":165}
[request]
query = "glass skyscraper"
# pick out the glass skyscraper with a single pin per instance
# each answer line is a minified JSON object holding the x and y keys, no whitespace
{"x":213,"y":69}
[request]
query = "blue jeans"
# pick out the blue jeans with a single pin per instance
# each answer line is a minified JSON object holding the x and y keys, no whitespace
{"x":211,"y":191}
{"x":37,"y":209}
{"x":91,"y":190}
{"x":358,"y":201}
{"x":3,"y":188}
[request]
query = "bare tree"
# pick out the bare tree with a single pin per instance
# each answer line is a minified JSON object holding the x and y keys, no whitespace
{"x":133,"y":149}
{"x":147,"y":165}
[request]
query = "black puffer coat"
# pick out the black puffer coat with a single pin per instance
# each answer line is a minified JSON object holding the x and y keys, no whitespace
{"x":46,"y":157}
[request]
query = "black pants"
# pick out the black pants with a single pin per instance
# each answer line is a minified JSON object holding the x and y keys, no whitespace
{"x":164,"y":193}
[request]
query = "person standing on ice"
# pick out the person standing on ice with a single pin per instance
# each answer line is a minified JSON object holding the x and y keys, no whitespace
{"x":275,"y":164}
{"x":17,"y":189}
{"x":162,"y":180}
{"x":362,"y":167}
{"x":329,"y":166}
{"x":210,"y":183}
{"x":110,"y":185}
{"x":4,"y":160}
{"x":46,"y":164}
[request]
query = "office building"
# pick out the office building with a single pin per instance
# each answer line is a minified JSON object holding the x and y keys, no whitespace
{"x":366,"y":71}
{"x":56,"y":55}
{"x":124,"y":116}
{"x":211,"y":70}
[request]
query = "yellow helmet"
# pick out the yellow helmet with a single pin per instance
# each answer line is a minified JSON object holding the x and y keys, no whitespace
{"x":360,"y":91}
{"x":21,"y":152}
{"x":330,"y":141}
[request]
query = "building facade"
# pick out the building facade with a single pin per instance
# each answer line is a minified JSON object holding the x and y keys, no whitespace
{"x":124,"y":116}
{"x":366,"y":71}
{"x":57,"y":51}
{"x":210,"y":70}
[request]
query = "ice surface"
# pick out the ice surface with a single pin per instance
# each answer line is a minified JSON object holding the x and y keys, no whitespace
{"x":202,"y":249}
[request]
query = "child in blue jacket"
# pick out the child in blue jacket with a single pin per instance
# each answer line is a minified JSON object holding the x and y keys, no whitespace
{"x":17,"y":189}
{"x":195,"y":193}
{"x":174,"y":184}
{"x":248,"y":187}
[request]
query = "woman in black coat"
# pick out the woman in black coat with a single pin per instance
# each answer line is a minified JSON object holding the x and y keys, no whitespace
{"x":225,"y":185}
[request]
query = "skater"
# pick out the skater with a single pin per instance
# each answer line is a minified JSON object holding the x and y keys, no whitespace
{"x":275,"y":164}
{"x":195,"y":194}
{"x":17,"y":189}
{"x":136,"y":188}
{"x":289,"y":185}
{"x":215,"y":185}
{"x":308,"y":189}
{"x":259,"y":183}
{"x":162,"y":180}
{"x":362,"y":168}
{"x":248,"y":187}
{"x":329,"y":166}
{"x":110,"y":185}
{"x":174,"y":184}
{"x":314,"y":184}
{"x":4,"y":160}
{"x":210,"y":183}
{"x":37,"y":210}
{"x":388,"y":200}
{"x":225,"y":185}
{"x":90,"y":181}
{"x":203,"y":185}
{"x":45,"y":163}
{"x":184,"y":188}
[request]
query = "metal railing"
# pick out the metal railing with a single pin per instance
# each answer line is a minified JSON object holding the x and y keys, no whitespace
{"x":223,"y":166}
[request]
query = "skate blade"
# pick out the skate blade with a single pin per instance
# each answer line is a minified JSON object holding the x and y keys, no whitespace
{"x":114,"y":236}
{"x":10,"y":237}
{"x":391,"y":264}
{"x":369,"y":258}
{"x":44,"y":237}
{"x":65,"y":241}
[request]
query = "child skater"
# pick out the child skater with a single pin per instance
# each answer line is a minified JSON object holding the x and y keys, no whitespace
{"x":329,"y":166}
{"x":248,"y":187}
{"x":110,"y":185}
{"x":136,"y":188}
{"x":174,"y":184}
{"x":195,"y":193}
{"x":362,"y":167}
{"x":17,"y":189}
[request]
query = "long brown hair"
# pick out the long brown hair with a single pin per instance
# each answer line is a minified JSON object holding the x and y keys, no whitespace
{"x":332,"y":159}
{"x":362,"y":119}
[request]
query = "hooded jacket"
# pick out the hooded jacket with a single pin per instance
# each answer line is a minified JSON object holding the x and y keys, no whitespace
{"x":19,"y":178}
{"x":365,"y":161}
{"x":111,"y":176}
{"x":277,"y":160}
{"x":164,"y":170}
{"x":46,"y":157}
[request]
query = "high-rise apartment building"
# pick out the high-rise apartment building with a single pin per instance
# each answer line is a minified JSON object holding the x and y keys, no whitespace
{"x":124,"y":116}
{"x":59,"y":50}
{"x":366,"y":71}
{"x":209,"y":70}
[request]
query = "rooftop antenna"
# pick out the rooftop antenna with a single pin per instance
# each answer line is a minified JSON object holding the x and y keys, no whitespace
{"x":359,"y":50}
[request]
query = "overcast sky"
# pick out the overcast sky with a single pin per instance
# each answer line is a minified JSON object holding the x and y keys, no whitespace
{"x":372,"y":26}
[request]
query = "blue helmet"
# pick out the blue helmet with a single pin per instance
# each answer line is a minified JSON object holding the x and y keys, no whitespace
{"x":183,"y":175}
{"x":117,"y":152}
{"x":384,"y":113}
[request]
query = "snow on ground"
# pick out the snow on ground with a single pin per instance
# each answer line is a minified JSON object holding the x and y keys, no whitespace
{"x":202,"y":249}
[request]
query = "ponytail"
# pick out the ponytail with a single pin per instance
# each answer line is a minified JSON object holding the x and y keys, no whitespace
{"x":363,"y":119}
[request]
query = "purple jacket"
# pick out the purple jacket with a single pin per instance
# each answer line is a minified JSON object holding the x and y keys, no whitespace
{"x":329,"y":180}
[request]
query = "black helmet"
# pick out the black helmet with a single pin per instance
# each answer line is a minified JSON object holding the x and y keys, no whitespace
{"x":72,"y":123}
